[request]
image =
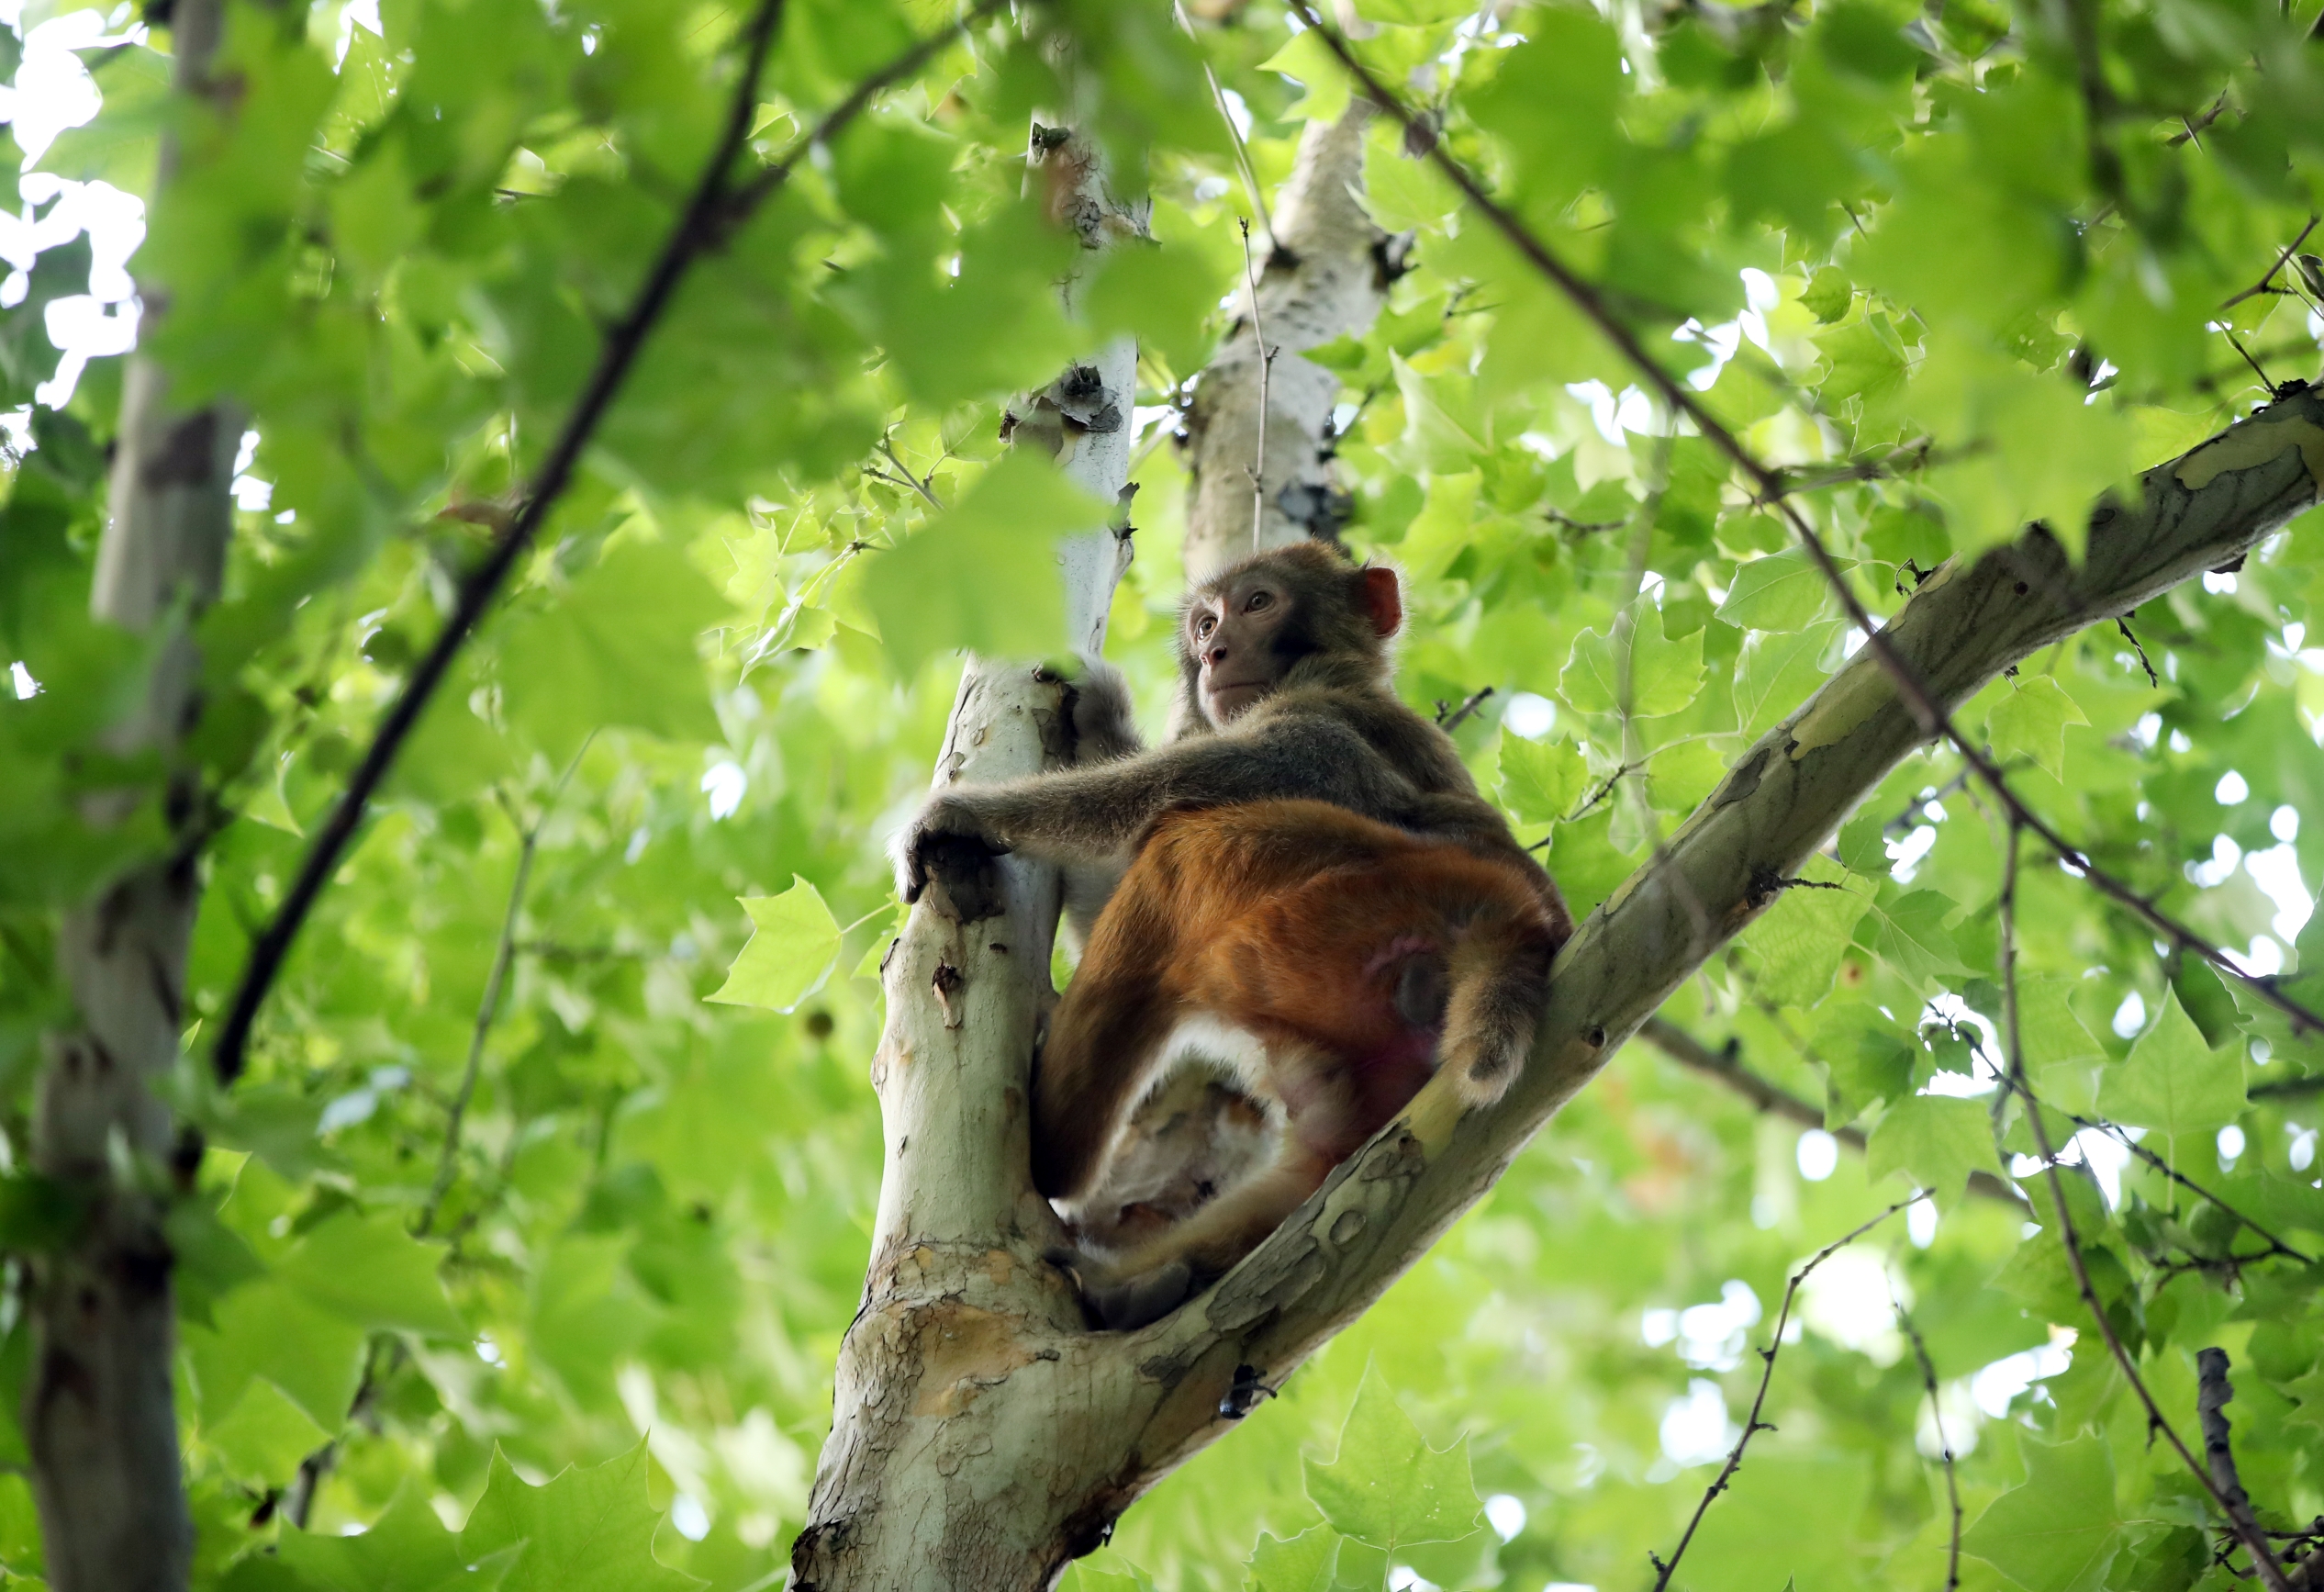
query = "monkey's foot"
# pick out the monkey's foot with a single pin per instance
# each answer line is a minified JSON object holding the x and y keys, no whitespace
{"x":1124,"y":1304}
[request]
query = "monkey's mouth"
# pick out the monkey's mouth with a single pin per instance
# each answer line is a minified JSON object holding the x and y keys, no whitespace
{"x":1233,"y":696}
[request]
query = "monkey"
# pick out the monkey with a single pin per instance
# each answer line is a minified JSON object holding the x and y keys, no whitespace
{"x":1330,"y":959}
{"x":1284,"y":695}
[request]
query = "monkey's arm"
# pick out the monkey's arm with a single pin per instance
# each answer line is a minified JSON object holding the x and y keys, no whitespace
{"x":1090,"y":813}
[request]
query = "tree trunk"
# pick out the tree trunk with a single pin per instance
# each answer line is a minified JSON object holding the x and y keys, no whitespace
{"x":957,"y":1273}
{"x":99,"y":1416}
{"x":1325,"y":277}
{"x":984,"y":1436}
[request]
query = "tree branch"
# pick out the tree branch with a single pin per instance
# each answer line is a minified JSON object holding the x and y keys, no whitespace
{"x":719,"y":205}
{"x":2255,"y":1543}
{"x":1688,"y":1052}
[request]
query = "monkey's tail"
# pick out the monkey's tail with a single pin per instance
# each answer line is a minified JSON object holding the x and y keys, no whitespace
{"x":1500,"y":977}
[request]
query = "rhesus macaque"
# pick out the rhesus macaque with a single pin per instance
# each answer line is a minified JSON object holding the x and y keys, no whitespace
{"x":1284,"y":700}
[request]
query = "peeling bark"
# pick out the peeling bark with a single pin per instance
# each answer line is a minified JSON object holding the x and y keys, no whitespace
{"x":99,"y":1415}
{"x":987,"y":1438}
{"x":1325,"y":277}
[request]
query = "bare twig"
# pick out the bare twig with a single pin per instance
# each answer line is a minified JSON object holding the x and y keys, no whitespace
{"x":718,"y":205}
{"x":1753,"y":1426}
{"x":2289,"y":250}
{"x":488,"y":1009}
{"x":1944,"y":1443}
{"x":1727,"y":1065}
{"x":2276,"y":1246}
{"x":1449,"y":720}
{"x":1768,"y":483}
{"x":1234,"y":134}
{"x":2123,"y":624}
{"x":1267,"y":370}
{"x":2264,"y":1562}
{"x":888,"y":447}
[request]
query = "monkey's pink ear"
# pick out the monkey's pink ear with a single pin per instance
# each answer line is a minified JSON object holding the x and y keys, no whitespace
{"x":1383,"y":599}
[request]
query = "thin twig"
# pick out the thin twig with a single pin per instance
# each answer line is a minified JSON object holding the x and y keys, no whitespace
{"x":1234,"y":134}
{"x":1767,"y":1356}
{"x":718,"y":206}
{"x":2289,"y":250}
{"x":1727,"y":1065}
{"x":1916,"y":693}
{"x":2271,"y":1574}
{"x":1936,"y":1418}
{"x":2276,"y":1246}
{"x":914,"y":482}
{"x":1267,"y":370}
{"x":2123,"y":624}
{"x":1449,"y":721}
{"x":488,"y":1009}
{"x":2266,"y":381}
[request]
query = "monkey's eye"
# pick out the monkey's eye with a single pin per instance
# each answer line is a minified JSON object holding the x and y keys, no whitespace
{"x":1206,"y":624}
{"x":1259,"y":600}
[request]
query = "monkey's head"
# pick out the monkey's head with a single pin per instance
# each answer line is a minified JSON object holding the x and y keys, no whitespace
{"x":1299,"y":614}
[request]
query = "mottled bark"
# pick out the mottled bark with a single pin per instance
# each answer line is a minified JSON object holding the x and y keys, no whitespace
{"x":99,"y":1417}
{"x":1325,"y":277}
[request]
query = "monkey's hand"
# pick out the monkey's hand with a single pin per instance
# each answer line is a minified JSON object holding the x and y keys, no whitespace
{"x":945,"y":834}
{"x":1103,"y":729}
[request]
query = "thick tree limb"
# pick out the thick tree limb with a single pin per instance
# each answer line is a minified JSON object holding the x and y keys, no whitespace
{"x":720,"y":204}
{"x":99,"y":1415}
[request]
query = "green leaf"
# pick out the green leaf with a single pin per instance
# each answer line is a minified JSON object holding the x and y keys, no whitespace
{"x":618,"y":647}
{"x":1863,"y":844}
{"x":370,"y":1271}
{"x":1387,"y":1487}
{"x":1909,"y":934}
{"x":1827,"y":295}
{"x":121,"y":145}
{"x":1541,"y":781}
{"x":1306,"y":1563}
{"x":983,"y":575}
{"x":1778,"y":671}
{"x":1800,"y":940}
{"x":587,"y":1529}
{"x":793,"y":947}
{"x":406,"y":1550}
{"x":1663,"y":675}
{"x":1309,"y":61}
{"x":2171,"y":1080}
{"x":2062,"y":1056}
{"x":2030,"y":720}
{"x":1782,"y":592}
{"x":2059,"y":1531}
{"x":1936,"y":1141}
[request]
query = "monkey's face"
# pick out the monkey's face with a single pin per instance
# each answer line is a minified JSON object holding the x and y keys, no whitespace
{"x":1233,"y":633}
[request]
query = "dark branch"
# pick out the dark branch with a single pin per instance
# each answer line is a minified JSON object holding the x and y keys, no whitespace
{"x":717,"y":206}
{"x":1944,"y":1443}
{"x":1754,"y":1425}
{"x":2271,"y":1574}
{"x":1727,"y":1065}
{"x":1451,"y":720}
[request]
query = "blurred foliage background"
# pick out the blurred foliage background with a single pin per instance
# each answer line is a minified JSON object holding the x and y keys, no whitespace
{"x":1957,"y":267}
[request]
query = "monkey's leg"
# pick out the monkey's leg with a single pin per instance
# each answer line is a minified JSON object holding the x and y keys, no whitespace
{"x":1105,"y":1039}
{"x":1156,"y":1278}
{"x":1500,"y":979}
